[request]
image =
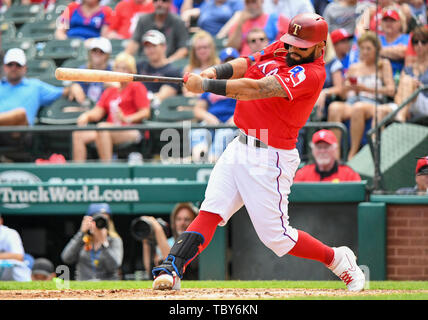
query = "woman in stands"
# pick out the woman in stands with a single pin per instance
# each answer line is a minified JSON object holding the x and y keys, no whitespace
{"x":84,"y":20}
{"x":202,"y":55}
{"x":124,"y":104}
{"x":364,"y":78}
{"x":414,"y":76}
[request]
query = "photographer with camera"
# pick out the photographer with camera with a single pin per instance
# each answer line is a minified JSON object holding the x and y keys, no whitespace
{"x":96,"y":249}
{"x":158,"y":236}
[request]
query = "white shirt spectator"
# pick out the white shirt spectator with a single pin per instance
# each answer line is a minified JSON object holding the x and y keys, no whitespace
{"x":10,"y":269}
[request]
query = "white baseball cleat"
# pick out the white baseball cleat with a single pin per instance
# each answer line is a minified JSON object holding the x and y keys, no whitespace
{"x":345,"y":266}
{"x":165,"y":281}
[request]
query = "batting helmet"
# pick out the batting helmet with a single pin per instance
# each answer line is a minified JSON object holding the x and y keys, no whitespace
{"x":306,"y":30}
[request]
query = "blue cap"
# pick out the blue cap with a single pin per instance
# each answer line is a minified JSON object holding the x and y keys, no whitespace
{"x":98,"y":208}
{"x":228,"y":52}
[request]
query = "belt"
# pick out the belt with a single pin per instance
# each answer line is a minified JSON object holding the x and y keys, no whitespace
{"x":251,"y":141}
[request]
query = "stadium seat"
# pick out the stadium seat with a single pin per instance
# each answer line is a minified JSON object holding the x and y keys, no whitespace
{"x":7,"y":30}
{"x":74,"y":63}
{"x":118,"y":46}
{"x":50,"y":79}
{"x":220,"y":44}
{"x":37,"y":68}
{"x":180,"y":63}
{"x":20,"y":14}
{"x":38,"y":31}
{"x":61,"y":50}
{"x":62,"y":112}
{"x":178,"y":108}
{"x":25,"y":44}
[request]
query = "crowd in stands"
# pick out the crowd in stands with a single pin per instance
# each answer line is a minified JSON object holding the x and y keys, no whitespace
{"x":366,"y":71}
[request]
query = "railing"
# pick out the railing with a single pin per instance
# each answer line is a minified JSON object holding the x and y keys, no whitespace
{"x":378,"y":175}
{"x":159,"y":126}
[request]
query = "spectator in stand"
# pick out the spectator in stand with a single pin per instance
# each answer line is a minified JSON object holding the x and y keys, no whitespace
{"x":341,"y":40}
{"x":372,"y":15}
{"x":414,"y":76}
{"x":253,"y":16}
{"x":202,"y":55}
{"x":124,"y":104}
{"x":326,"y":167}
{"x":181,"y":217}
{"x":212,"y":15}
{"x":126,"y":15}
{"x":170,"y":24}
{"x":288,"y":8}
{"x":85,"y":20}
{"x":98,"y":59}
{"x":12,"y":265}
{"x":341,"y":14}
{"x":96,"y":249}
{"x":333,"y":85}
{"x":419,"y":11}
{"x":212,"y":109}
{"x":257,"y":39}
{"x":360,"y":87}
{"x":43,"y":270}
{"x":421,"y":178}
{"x":154,"y":44}
{"x":21,"y":98}
{"x":320,"y":5}
{"x":394,"y":40}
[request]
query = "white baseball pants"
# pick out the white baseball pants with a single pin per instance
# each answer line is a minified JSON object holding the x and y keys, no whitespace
{"x":260,"y":179}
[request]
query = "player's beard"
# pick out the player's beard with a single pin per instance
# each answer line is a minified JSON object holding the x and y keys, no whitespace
{"x":292,"y":62}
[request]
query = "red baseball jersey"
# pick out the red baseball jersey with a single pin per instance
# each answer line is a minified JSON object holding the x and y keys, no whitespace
{"x":130,"y":100}
{"x":277,"y":121}
{"x":341,"y":173}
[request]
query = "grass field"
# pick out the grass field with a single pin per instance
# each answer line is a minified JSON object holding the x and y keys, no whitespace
{"x":319,"y":290}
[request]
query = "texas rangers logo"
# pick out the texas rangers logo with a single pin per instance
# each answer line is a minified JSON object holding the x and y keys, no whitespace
{"x":268,"y":69}
{"x":296,"y":28}
{"x":297,"y":75}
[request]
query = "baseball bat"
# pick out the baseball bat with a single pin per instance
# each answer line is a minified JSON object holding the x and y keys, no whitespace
{"x":90,"y":75}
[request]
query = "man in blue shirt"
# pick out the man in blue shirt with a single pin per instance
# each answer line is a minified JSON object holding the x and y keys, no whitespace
{"x":21,"y":98}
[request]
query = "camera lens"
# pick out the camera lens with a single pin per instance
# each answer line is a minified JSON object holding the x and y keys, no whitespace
{"x":100,"y":221}
{"x":140,"y":229}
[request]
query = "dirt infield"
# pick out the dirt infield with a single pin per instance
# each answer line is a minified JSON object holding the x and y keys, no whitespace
{"x":189,"y":294}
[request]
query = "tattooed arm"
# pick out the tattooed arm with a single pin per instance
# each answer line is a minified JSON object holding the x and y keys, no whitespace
{"x":242,"y":89}
{"x":249,"y":89}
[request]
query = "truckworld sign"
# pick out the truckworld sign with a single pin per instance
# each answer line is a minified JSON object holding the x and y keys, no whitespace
{"x":35,"y":188}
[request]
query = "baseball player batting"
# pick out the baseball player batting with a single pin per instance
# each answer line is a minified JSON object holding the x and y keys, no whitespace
{"x":276,"y":90}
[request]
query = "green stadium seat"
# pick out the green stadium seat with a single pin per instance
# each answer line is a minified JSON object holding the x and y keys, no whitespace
{"x":50,"y":79}
{"x":74,"y":63}
{"x":62,"y":112}
{"x":37,"y":68}
{"x":178,"y":108}
{"x":180,"y":63}
{"x":20,"y":14}
{"x":118,"y":46}
{"x":7,"y":30}
{"x":38,"y":31}
{"x":220,"y":44}
{"x":61,"y":50}
{"x":25,"y":44}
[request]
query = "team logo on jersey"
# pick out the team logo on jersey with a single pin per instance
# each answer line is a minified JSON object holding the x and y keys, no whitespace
{"x":268,"y":69}
{"x":297,"y":75}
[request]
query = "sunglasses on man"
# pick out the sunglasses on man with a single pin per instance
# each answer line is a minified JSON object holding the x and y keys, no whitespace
{"x":288,"y":46}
